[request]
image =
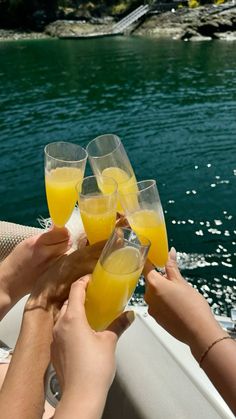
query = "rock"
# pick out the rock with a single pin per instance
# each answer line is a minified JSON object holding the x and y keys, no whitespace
{"x":107,"y":20}
{"x":202,"y":23}
{"x":199,"y":38}
{"x":17,"y":34}
{"x":189,"y":34}
{"x":64,"y":28}
{"x":226,"y":36}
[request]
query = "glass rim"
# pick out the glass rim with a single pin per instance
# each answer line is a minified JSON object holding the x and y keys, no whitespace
{"x":134,"y":245}
{"x":67,"y":161}
{"x":95,"y":177}
{"x":137,"y":236}
{"x":152,"y":182}
{"x":129,"y":230}
{"x":107,"y":154}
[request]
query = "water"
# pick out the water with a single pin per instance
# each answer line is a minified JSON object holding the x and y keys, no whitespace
{"x":174,"y":106}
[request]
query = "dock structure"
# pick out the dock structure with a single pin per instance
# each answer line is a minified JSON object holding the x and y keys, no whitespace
{"x":131,"y":18}
{"x":118,"y":28}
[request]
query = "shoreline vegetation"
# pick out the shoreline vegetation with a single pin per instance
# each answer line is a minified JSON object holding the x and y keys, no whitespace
{"x":198,"y":23}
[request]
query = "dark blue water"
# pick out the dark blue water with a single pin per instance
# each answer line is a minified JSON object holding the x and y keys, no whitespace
{"x":174,"y":106}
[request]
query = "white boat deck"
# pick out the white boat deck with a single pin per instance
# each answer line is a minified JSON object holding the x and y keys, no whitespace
{"x":157,"y":378}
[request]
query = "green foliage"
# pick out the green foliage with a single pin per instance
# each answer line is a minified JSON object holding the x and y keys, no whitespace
{"x":119,"y":8}
{"x":193,"y":4}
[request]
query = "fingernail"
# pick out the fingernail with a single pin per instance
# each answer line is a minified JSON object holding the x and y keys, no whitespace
{"x":130,"y":316}
{"x":173,"y":254}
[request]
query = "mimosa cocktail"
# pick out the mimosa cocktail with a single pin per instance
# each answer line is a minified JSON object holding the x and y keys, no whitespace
{"x":124,"y":182}
{"x":145,"y":216}
{"x":115,"y":277}
{"x":98,"y":208}
{"x":150,"y":224}
{"x":61,"y":192}
{"x":108,"y":157}
{"x":64,"y":169}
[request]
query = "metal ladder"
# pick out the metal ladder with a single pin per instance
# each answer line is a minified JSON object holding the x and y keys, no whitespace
{"x":130,"y":18}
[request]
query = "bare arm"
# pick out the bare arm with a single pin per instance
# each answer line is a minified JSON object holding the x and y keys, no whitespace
{"x":22,"y":393}
{"x":186,"y":315}
{"x":31,"y":356}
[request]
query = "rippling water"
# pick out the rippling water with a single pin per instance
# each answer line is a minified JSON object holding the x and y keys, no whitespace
{"x":174,"y":106}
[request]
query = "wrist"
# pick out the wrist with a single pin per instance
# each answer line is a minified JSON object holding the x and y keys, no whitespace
{"x":85,"y":390}
{"x":37,"y":325}
{"x":204,"y":338}
{"x":38,"y":302}
{"x":89,"y":403}
{"x":208,"y":349}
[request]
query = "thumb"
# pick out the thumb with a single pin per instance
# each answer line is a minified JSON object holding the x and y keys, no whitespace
{"x":172,"y":270}
{"x":148,"y":267}
{"x":77,"y":295}
{"x":55,"y":235}
{"x":120,"y":324}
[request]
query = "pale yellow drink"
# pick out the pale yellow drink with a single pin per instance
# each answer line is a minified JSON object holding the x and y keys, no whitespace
{"x":125,"y":183}
{"x":61,"y":192}
{"x":98,"y":220}
{"x":150,"y":224}
{"x":111,"y":286}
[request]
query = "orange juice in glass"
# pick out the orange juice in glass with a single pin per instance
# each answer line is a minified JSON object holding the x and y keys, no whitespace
{"x":64,"y":169}
{"x":145,"y":215}
{"x":115,"y":277}
{"x":108,"y":157}
{"x":98,"y":204}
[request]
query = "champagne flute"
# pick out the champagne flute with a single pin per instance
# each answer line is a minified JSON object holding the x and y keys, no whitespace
{"x":64,"y":169}
{"x":144,"y":212}
{"x":98,"y":209}
{"x":115,"y":277}
{"x":108,"y":157}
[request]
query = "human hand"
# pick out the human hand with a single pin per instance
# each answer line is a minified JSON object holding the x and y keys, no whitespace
{"x":84,"y":360}
{"x":121,"y":221}
{"x":29,"y":259}
{"x":179,"y":308}
{"x":53,"y":287}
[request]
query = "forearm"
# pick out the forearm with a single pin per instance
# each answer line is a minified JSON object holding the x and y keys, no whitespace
{"x":25,"y":376}
{"x":216,"y":354}
{"x":81,"y":406}
{"x":220,"y":366}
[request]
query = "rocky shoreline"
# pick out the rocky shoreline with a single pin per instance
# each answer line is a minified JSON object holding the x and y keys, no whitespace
{"x":199,"y":24}
{"x":15,"y":35}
